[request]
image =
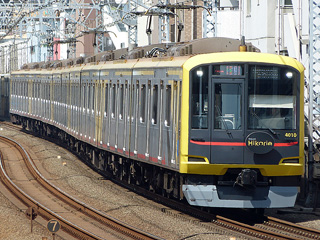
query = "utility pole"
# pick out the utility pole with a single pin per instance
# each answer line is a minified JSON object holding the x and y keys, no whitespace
{"x":209,"y":18}
{"x":314,"y":95}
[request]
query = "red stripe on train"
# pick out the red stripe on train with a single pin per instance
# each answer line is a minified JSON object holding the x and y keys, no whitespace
{"x":239,"y":144}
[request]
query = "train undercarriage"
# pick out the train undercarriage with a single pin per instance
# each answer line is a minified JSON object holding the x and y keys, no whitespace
{"x":111,"y":165}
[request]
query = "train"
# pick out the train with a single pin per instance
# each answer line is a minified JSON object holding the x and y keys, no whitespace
{"x":213,"y":122}
{"x":4,"y":96}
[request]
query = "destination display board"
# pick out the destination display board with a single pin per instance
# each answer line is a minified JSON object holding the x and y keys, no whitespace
{"x":229,"y":70}
{"x":264,"y":72}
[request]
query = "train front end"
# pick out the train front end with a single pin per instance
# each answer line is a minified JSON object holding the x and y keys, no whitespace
{"x":242,"y":134}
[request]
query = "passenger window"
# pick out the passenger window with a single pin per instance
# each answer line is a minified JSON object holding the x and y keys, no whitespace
{"x":113,"y":111}
{"x":106,"y":100}
{"x":137,"y":102}
{"x":143,"y":103}
{"x":128,"y":96}
{"x":99,"y":96}
{"x":133,"y":102}
{"x":155,"y":105}
{"x":93,"y":96}
{"x":84,"y":97}
{"x":167,"y":105}
{"x":89,"y":96}
{"x":121,"y":102}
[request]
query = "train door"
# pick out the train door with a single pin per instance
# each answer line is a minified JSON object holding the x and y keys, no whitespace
{"x":113,"y":115}
{"x":142,"y":120}
{"x":155,"y":129}
{"x":106,"y":112}
{"x":121,"y":118}
{"x":226,"y":126}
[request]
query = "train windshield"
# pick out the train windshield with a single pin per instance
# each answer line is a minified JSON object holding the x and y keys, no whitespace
{"x":272,"y":97}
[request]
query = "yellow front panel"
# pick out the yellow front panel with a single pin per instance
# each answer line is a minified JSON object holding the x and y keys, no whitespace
{"x":219,"y":169}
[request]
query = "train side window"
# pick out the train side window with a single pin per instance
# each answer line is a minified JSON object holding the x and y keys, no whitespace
{"x":121,"y":102}
{"x":133,"y":102}
{"x":137,"y":97}
{"x":93,"y":96}
{"x":99,"y":97}
{"x":128,"y":96}
{"x":89,"y":96}
{"x":155,"y":104}
{"x":113,"y":110}
{"x":199,"y":98}
{"x":106,"y":100}
{"x":78,"y":91}
{"x":125,"y":100}
{"x":84,"y":97}
{"x":143,"y":103}
{"x":167,"y":121}
{"x":35,"y":90}
{"x":74,"y":95}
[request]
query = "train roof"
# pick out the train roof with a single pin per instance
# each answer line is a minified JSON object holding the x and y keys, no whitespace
{"x":189,"y":55}
{"x":244,"y":57}
{"x":155,"y":51}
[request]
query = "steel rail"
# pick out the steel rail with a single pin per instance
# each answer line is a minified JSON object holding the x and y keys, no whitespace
{"x":66,"y":225}
{"x":294,"y":228}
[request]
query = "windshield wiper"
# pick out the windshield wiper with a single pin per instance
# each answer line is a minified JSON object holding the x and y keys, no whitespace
{"x":224,"y":122}
{"x":263,"y":124}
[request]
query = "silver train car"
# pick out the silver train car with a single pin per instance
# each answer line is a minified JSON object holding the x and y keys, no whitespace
{"x":217,"y":129}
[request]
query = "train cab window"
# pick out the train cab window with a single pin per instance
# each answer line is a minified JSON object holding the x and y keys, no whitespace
{"x":272,"y":97}
{"x":155,"y":105}
{"x":167,"y":121}
{"x":199,"y":98}
{"x":227,"y":105}
{"x":143,"y":101}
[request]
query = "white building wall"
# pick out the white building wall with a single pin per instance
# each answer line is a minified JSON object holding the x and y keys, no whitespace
{"x":228,"y":24}
{"x":142,"y":35}
{"x":259,"y":24}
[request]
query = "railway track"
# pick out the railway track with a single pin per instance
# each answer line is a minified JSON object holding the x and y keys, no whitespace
{"x":290,"y":228}
{"x":271,"y":228}
{"x":80,"y":220}
{"x":266,"y":228}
